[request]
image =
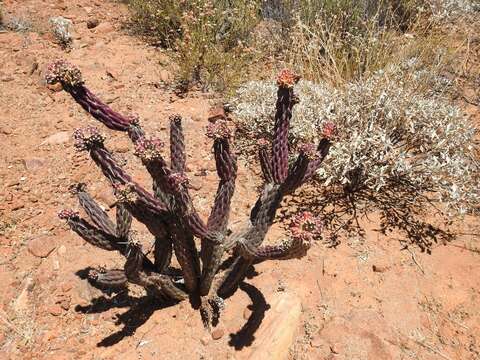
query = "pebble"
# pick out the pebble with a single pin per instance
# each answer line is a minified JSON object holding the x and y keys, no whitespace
{"x":57,"y":139}
{"x":55,"y":310}
{"x":57,"y":87}
{"x":92,"y":23}
{"x":41,"y":246}
{"x":217,"y":333}
{"x":247,"y":313}
{"x":379,"y":268}
{"x":33,"y":163}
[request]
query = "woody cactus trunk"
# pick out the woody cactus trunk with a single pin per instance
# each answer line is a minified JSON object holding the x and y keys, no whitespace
{"x":213,"y":260}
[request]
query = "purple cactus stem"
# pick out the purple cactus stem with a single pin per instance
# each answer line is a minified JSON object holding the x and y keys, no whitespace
{"x":177,"y":144}
{"x":285,"y":101}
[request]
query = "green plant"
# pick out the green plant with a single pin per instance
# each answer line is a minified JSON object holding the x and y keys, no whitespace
{"x":209,"y":39}
{"x":213,"y":273}
{"x":406,"y":145}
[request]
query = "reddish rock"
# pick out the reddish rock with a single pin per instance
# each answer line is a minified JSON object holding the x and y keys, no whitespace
{"x":92,"y":23}
{"x":33,"y":163}
{"x":42,"y":246}
{"x":57,"y":139}
{"x":216,"y":113}
{"x":217,"y":333}
{"x":55,"y":310}
{"x":104,"y":28}
{"x":379,"y":268}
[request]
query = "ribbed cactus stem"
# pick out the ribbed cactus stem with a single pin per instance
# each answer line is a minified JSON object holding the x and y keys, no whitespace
{"x":90,"y":233}
{"x":265,"y":160}
{"x":98,"y":216}
{"x":177,"y":144}
{"x":285,"y":101}
{"x":112,"y":279}
{"x":124,"y":221}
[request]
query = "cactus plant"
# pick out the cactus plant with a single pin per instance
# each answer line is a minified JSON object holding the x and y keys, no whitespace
{"x":213,"y":267}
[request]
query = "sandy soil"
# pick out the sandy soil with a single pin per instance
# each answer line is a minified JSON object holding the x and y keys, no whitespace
{"x":366,"y":299}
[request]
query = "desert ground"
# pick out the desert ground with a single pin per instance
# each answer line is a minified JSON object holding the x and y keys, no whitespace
{"x":368,"y":298}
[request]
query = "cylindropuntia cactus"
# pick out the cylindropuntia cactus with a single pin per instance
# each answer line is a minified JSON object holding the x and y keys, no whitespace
{"x":168,"y":212}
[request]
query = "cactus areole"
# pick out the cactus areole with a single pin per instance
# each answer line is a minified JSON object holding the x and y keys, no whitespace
{"x":213,"y":260}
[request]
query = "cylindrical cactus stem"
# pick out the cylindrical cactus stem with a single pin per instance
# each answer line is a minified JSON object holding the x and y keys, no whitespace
{"x":265,"y":160}
{"x":285,"y":101}
{"x":112,"y":279}
{"x":144,"y":210}
{"x":160,"y":285}
{"x":177,"y":145}
{"x":71,"y":79}
{"x":90,"y":233}
{"x":98,"y":216}
{"x":212,"y":262}
{"x":187,"y":256}
{"x":263,"y":214}
{"x":329,"y":132}
{"x":226,"y":164}
{"x":296,"y":174}
{"x":124,"y":221}
{"x":233,"y":276}
{"x":162,"y":253}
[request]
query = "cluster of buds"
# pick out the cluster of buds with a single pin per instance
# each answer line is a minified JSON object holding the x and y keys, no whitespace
{"x":309,"y":150}
{"x":306,"y":227}
{"x":125,"y":193}
{"x":87,"y":138}
{"x":63,"y":72}
{"x":287,"y":79}
{"x":329,"y":130}
{"x":218,"y":130}
{"x":68,"y":214}
{"x":148,"y":149}
{"x":177,"y":181}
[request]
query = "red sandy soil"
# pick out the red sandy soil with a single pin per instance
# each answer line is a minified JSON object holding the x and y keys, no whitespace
{"x":414,"y":306}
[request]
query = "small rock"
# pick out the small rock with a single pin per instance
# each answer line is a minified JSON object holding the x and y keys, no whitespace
{"x":104,"y":28}
{"x":41,"y":246}
{"x":5,"y":130}
{"x":57,"y":139}
{"x":33,"y":67}
{"x":21,"y":303}
{"x":204,"y":340}
{"x":7,"y":78}
{"x":379,"y":268}
{"x":92,"y":23}
{"x":17,"y":205}
{"x":55,"y":310}
{"x":217,"y":333}
{"x":33,"y":163}
{"x":57,"y":87}
{"x":164,"y":76}
{"x":66,"y":287}
{"x":247,"y":313}
{"x":216,"y":113}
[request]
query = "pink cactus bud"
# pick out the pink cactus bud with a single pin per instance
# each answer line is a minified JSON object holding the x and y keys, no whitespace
{"x":148,"y":149}
{"x":63,"y":72}
{"x":93,"y":274}
{"x":309,"y":150}
{"x":287,"y":79}
{"x":125,"y":193}
{"x":218,"y":130}
{"x":263,"y":143}
{"x":329,"y":130}
{"x":306,"y":226}
{"x":178,"y":180}
{"x":134,"y":119}
{"x":87,"y":138}
{"x":176,"y":118}
{"x":67,"y":214}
